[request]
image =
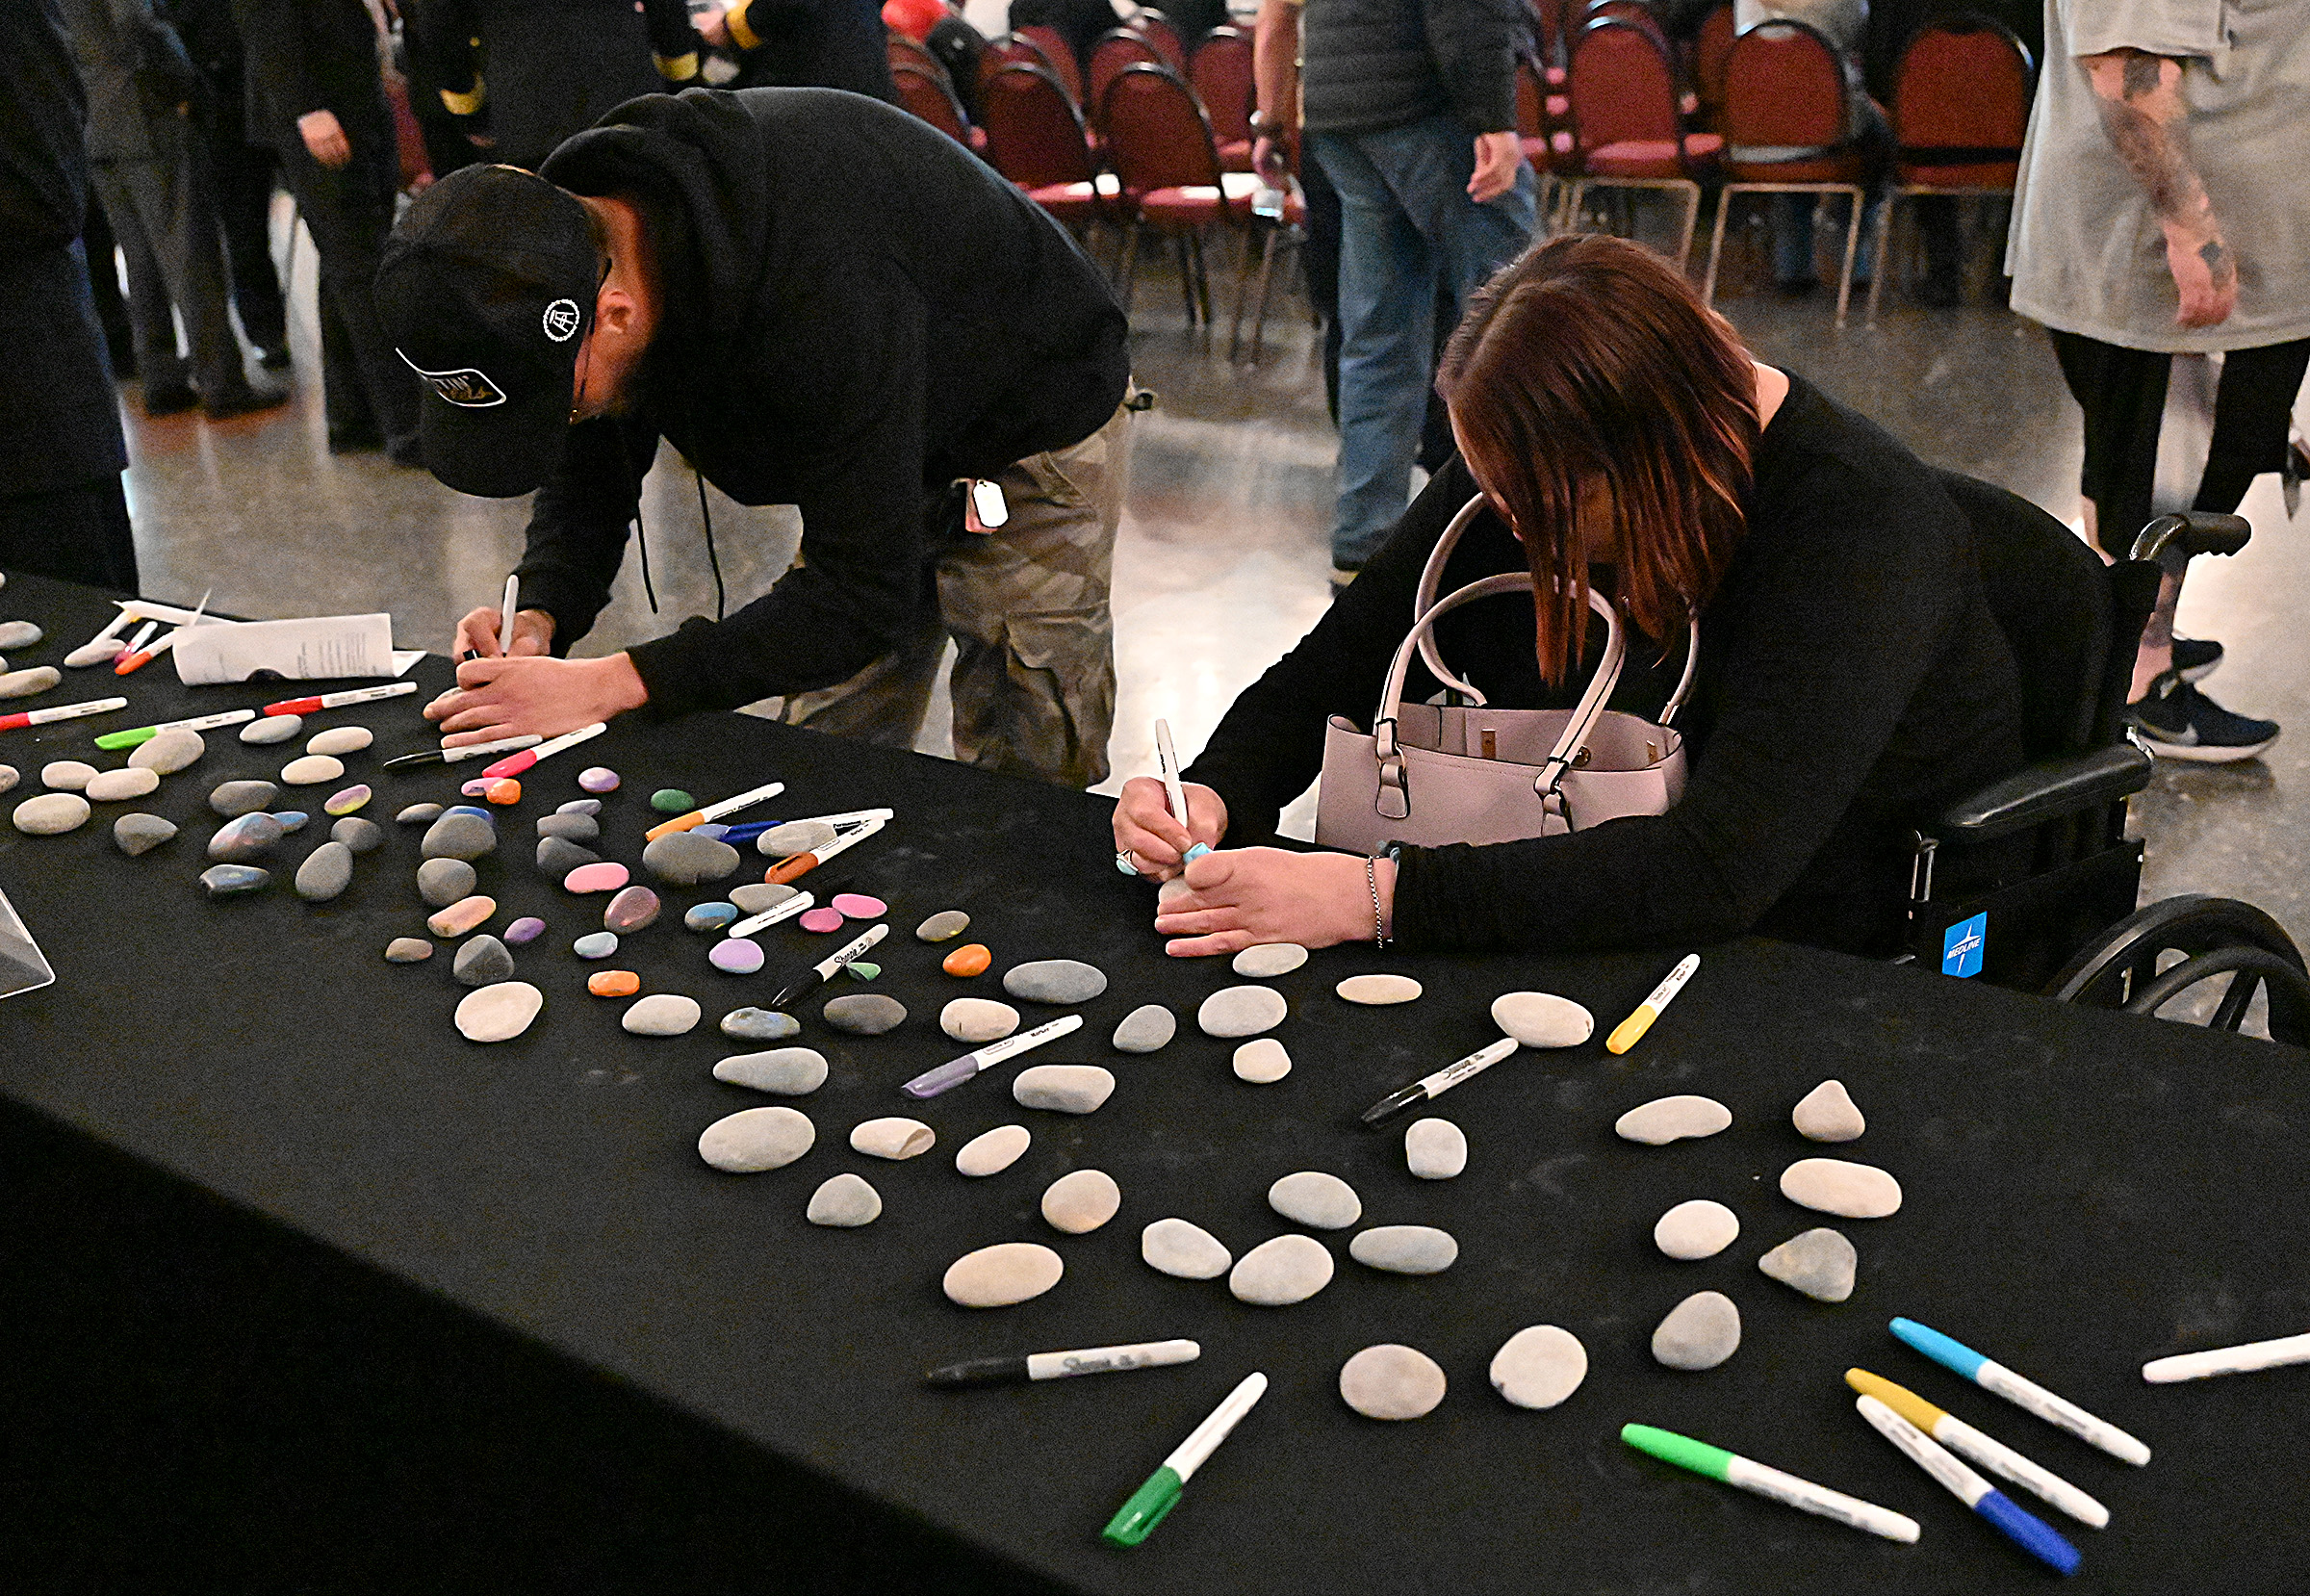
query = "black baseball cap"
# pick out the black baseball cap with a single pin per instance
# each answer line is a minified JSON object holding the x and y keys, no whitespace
{"x":487,"y":290}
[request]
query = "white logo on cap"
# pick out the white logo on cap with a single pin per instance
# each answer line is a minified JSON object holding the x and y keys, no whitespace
{"x":561,"y":320}
{"x":467,"y":389}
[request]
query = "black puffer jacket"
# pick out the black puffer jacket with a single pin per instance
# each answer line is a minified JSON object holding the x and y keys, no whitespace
{"x":1372,"y":65}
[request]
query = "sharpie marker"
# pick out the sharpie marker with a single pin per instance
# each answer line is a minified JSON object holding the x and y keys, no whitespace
{"x":73,"y":711}
{"x":823,"y":971}
{"x":145,"y":734}
{"x":753,"y":830}
{"x":455,"y":756}
{"x":339,"y":701}
{"x":2027,"y":1395}
{"x":786,"y":911}
{"x":2024,"y":1528}
{"x":2228,"y":1360}
{"x":1964,"y":1439}
{"x":515,"y":764}
{"x":132,"y":660}
{"x":1623,"y":1036}
{"x":955,"y":1072}
{"x":1167,"y":761}
{"x":713,"y":812}
{"x":1716,"y":1463}
{"x":1439,"y":1083}
{"x":1138,"y":1517}
{"x":1041,"y":1366}
{"x":801,"y":865}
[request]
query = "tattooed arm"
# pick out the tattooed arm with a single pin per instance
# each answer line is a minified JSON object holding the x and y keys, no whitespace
{"x":2141,"y":111}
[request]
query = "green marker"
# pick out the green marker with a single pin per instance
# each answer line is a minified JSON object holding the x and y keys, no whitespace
{"x":1137,"y":1518}
{"x":1716,"y":1463}
{"x":198,"y":723}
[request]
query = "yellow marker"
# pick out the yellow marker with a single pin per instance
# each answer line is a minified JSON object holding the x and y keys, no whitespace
{"x":1964,"y":1439}
{"x":1623,"y":1036}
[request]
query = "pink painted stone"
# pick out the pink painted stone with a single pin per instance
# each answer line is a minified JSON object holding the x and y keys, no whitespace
{"x":859,"y":905}
{"x":605,"y":876}
{"x":462,"y":916}
{"x":597,"y":778}
{"x":821,"y":919}
{"x":736,"y":956}
{"x":630,"y":909}
{"x":476,"y":787}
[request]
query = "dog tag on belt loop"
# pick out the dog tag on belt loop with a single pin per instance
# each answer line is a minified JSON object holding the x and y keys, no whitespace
{"x":984,"y":507}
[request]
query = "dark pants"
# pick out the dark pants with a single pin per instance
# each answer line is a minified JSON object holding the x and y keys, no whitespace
{"x":366,"y":390}
{"x":79,"y":533}
{"x":243,"y":175}
{"x":165,"y":216}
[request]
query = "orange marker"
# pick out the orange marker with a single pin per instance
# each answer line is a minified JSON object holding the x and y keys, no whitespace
{"x":801,"y":865}
{"x":713,"y":812}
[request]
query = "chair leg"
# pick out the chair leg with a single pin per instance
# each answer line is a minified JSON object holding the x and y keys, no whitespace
{"x":1130,"y":264}
{"x":1243,"y":289}
{"x":1692,"y":219}
{"x":1884,"y":240}
{"x":1716,"y":242}
{"x":1574,"y":192}
{"x":1259,"y":314}
{"x":1844,"y":278}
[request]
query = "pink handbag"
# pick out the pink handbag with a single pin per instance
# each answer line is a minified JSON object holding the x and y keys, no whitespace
{"x":1428,"y":774}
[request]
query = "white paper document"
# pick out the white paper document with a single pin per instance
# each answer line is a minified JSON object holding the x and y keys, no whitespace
{"x":22,"y":967}
{"x":320,"y":648}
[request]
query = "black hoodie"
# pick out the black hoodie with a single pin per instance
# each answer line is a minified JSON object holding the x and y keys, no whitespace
{"x":858,"y":311}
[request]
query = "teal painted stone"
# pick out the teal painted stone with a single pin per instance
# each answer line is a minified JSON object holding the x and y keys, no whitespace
{"x":672,"y":800}
{"x":224,"y":881}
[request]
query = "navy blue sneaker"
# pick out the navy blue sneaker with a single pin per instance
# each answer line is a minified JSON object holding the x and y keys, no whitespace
{"x":2195,"y":658}
{"x":2176,"y":721}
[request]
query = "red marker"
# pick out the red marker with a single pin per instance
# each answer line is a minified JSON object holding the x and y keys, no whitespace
{"x":338,"y":701}
{"x":513,"y":764}
{"x":61,"y":711}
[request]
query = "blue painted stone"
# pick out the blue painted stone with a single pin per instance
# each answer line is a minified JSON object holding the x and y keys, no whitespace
{"x":759,"y":1025}
{"x":711,"y":916}
{"x":596,"y":945}
{"x":224,"y":881}
{"x":238,"y":842}
{"x":470,"y":809}
{"x":292,"y":821}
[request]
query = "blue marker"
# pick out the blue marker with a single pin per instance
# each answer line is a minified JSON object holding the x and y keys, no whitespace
{"x":1167,"y":761}
{"x":2025,"y":1530}
{"x":2027,"y":1395}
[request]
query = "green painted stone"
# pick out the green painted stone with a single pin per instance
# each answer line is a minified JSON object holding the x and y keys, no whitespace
{"x":672,"y":800}
{"x":864,"y":970}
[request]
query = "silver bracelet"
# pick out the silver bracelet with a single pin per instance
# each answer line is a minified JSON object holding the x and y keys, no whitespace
{"x":1379,"y":936}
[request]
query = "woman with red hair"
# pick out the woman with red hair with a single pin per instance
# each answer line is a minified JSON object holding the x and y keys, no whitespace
{"x":1850,"y":674}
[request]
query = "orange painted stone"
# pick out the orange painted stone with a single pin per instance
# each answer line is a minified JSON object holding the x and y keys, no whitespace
{"x":504,"y":790}
{"x":613,"y":983}
{"x":970,"y":959}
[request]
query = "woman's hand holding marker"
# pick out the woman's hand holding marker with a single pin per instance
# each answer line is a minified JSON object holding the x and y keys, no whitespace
{"x":478,"y":633}
{"x":1247,"y":897}
{"x":499,"y":698}
{"x":1145,"y":829}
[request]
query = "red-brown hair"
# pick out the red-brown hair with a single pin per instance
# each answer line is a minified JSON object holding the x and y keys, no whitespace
{"x":1590,"y":360}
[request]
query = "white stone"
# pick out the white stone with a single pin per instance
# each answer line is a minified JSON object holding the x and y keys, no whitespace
{"x":976,"y":1019}
{"x":1405,"y":1249}
{"x":844,"y":1202}
{"x":272,"y":728}
{"x":1278,"y":1273}
{"x":1392,"y":1381}
{"x":999,"y":1276}
{"x":992,"y":1151}
{"x":1269,"y":960}
{"x":1666,"y":1120}
{"x":66,"y":776}
{"x":663,"y":1014}
{"x":1700,"y":1332}
{"x":24,"y":684}
{"x":51,"y":813}
{"x":1435,"y":1149}
{"x":1262,"y":1061}
{"x":1834,"y":1186}
{"x":112,"y":787}
{"x":9,"y":777}
{"x":1146,"y":1029}
{"x":1542,"y":1020}
{"x":1315,"y":1199}
{"x":169,"y":751}
{"x":1379,"y":990}
{"x":1170,"y":891}
{"x":99,"y":652}
{"x":1828,"y":1114}
{"x":1539,"y":1366}
{"x":340,"y":739}
{"x":1069,"y":1088}
{"x":499,"y":1011}
{"x":788,"y":1072}
{"x":1242,"y":1012}
{"x":312,"y":770}
{"x":1821,"y":1263}
{"x":1081,"y":1201}
{"x":895,"y":1137}
{"x":1696,"y":1230}
{"x":756,"y":1139}
{"x":1189,"y":1252}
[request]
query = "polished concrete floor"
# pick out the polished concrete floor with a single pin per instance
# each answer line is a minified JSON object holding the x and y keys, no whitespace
{"x":1223,"y":558}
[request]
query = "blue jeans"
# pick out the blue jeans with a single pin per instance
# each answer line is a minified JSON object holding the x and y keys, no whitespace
{"x":1406,"y":225}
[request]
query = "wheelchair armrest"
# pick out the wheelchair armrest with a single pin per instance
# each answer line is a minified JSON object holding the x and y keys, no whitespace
{"x":2195,"y":531}
{"x":2046,"y":791}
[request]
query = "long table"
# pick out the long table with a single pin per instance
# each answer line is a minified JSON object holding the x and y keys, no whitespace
{"x":307,"y":1292}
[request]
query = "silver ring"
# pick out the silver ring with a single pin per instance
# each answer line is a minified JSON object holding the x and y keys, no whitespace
{"x":1125,"y":863}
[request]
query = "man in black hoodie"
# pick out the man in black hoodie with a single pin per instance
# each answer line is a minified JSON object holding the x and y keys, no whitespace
{"x":820,"y":301}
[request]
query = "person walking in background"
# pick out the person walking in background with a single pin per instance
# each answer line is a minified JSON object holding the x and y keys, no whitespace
{"x":804,"y":44}
{"x":2161,"y":215}
{"x":241,"y":174}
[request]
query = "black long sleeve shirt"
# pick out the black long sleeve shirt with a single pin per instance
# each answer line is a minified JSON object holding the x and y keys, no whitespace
{"x":1851,"y":675}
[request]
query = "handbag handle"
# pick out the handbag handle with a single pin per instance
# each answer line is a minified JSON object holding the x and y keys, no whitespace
{"x":1431,"y":578}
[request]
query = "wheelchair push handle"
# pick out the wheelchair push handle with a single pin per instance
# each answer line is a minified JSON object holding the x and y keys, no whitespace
{"x":2193,"y":532}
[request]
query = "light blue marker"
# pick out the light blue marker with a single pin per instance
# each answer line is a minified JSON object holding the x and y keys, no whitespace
{"x":2027,"y":1395}
{"x":1167,"y":761}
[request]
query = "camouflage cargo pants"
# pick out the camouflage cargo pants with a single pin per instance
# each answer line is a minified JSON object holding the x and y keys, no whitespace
{"x":1033,"y":678}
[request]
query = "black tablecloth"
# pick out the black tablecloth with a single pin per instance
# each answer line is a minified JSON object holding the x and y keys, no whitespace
{"x":308,"y":1292}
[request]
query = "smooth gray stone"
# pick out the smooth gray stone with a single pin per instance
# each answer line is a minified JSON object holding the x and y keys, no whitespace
{"x":997,"y":1277}
{"x":1081,"y":1200}
{"x":24,"y":684}
{"x":51,"y":813}
{"x":579,"y":806}
{"x":789,"y":1072}
{"x":1278,"y":1273}
{"x":459,"y":836}
{"x":166,"y":752}
{"x":1821,"y":1263}
{"x":1834,"y":1186}
{"x":596,"y":945}
{"x":9,"y":777}
{"x":1405,"y":1249}
{"x":943,"y":926}
{"x":1435,"y":1149}
{"x":1263,"y":1061}
{"x":1316,"y":1199}
{"x":633,"y":908}
{"x":1542,"y":1020}
{"x":756,"y":1139}
{"x":1539,"y":1366}
{"x":1392,"y":1381}
{"x":1666,"y":1120}
{"x":1700,"y":1332}
{"x":99,"y":652}
{"x":1184,"y":1251}
{"x":759,"y":1025}
{"x":864,"y":1014}
{"x":1268,"y":959}
{"x":272,"y":728}
{"x":1696,"y":1230}
{"x":418,"y":814}
{"x":443,"y":882}
{"x":67,"y":775}
{"x":684,"y":858}
{"x":757,"y":896}
{"x":1241,"y":1012}
{"x":408,"y":951}
{"x":1145,"y":1028}
{"x":482,"y":961}
{"x":577,"y":828}
{"x":894,"y":1137}
{"x":844,"y":1202}
{"x":664,"y":1014}
{"x":252,"y":836}
{"x":19,"y":635}
{"x":795,"y":836}
{"x":228,"y":880}
{"x":977,"y":1019}
{"x":327,"y":870}
{"x":141,"y":834}
{"x":234,"y":799}
{"x":362,"y":836}
{"x":1055,"y":980}
{"x":1827,"y":1113}
{"x":1066,"y":1088}
{"x":992,"y":1151}
{"x":558,"y":856}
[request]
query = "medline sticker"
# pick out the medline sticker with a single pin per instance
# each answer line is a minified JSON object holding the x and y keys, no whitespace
{"x":561,"y":320}
{"x":1962,"y":947}
{"x":467,"y":389}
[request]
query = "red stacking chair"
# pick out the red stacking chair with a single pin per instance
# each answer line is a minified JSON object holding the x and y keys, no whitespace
{"x":1221,"y":75}
{"x":1623,"y":111}
{"x":1167,"y":162}
{"x":1710,"y":48}
{"x":1157,"y":30}
{"x":1057,"y":54}
{"x":1788,"y":120}
{"x":931,"y":99}
{"x":1036,"y":138}
{"x":1542,"y":127}
{"x":1010,"y":48}
{"x":903,"y":51}
{"x":1114,"y":51}
{"x":1961,"y":108}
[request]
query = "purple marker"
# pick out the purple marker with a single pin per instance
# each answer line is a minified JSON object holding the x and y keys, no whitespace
{"x":955,"y":1073}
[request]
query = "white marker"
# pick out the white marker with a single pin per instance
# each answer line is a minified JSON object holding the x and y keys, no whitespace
{"x":2024,"y":1528}
{"x":505,"y":610}
{"x":786,"y":911}
{"x":1167,"y":761}
{"x":513,"y":764}
{"x":955,"y":1072}
{"x":1994,"y":1455}
{"x":2228,"y":1360}
{"x":801,"y":865}
{"x":61,"y":712}
{"x":713,"y":812}
{"x":339,"y":701}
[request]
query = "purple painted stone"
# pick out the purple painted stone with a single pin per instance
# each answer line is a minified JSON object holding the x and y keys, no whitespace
{"x":859,"y":905}
{"x":630,"y":909}
{"x":605,"y":877}
{"x":821,"y":919}
{"x":736,"y":956}
{"x":527,"y":929}
{"x":597,"y":778}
